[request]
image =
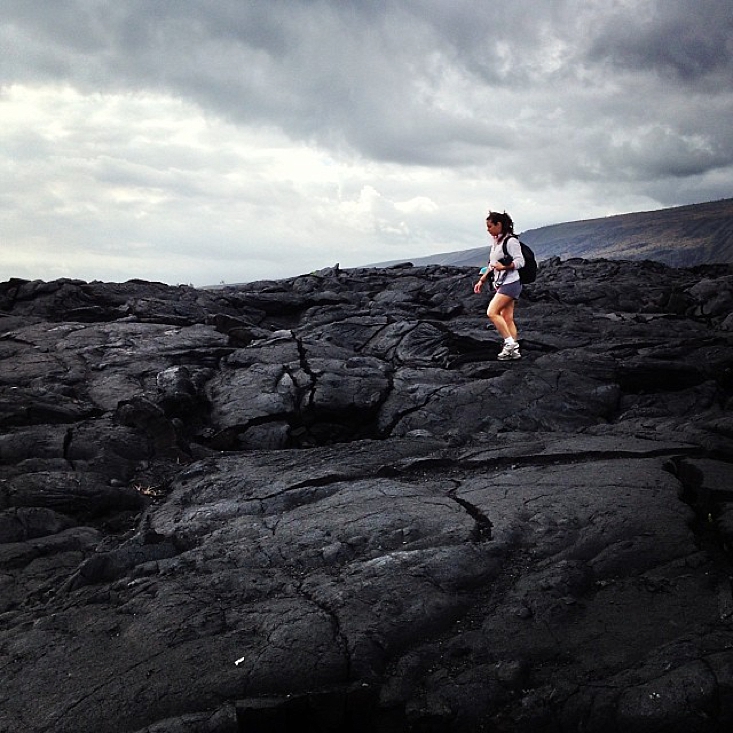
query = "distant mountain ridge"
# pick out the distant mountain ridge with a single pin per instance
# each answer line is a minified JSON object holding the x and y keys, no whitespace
{"x":683,"y":236}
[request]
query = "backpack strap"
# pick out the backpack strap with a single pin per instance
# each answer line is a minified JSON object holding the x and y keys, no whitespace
{"x":506,"y":239}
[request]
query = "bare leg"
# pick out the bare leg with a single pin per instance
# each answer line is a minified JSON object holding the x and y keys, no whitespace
{"x":508,"y":314}
{"x":501,"y":314}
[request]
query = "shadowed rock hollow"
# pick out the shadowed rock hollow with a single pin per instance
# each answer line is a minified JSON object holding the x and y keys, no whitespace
{"x":322,"y":504}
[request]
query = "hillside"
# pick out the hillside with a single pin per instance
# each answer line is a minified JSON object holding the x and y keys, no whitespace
{"x":684,"y":236}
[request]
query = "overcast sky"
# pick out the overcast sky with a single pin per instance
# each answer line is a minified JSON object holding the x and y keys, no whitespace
{"x":234,"y":140}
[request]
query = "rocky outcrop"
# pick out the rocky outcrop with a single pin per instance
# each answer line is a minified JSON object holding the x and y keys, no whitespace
{"x":322,"y":504}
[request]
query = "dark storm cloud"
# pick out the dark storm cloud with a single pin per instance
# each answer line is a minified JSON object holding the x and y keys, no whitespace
{"x":423,"y":82}
{"x":690,"y":43}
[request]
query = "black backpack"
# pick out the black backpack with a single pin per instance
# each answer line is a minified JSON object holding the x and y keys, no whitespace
{"x":528,"y":273}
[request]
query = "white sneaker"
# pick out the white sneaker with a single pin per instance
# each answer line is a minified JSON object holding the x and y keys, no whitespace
{"x":510,"y":351}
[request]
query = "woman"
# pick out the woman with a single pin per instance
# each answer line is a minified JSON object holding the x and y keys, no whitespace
{"x":506,"y":281}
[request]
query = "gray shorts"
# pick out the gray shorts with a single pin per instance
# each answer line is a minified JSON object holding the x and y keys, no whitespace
{"x":511,"y":289}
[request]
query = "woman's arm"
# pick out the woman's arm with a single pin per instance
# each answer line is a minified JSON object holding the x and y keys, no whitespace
{"x":481,"y":281}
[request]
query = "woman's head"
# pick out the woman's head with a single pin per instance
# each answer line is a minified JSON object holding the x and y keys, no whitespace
{"x":499,"y":223}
